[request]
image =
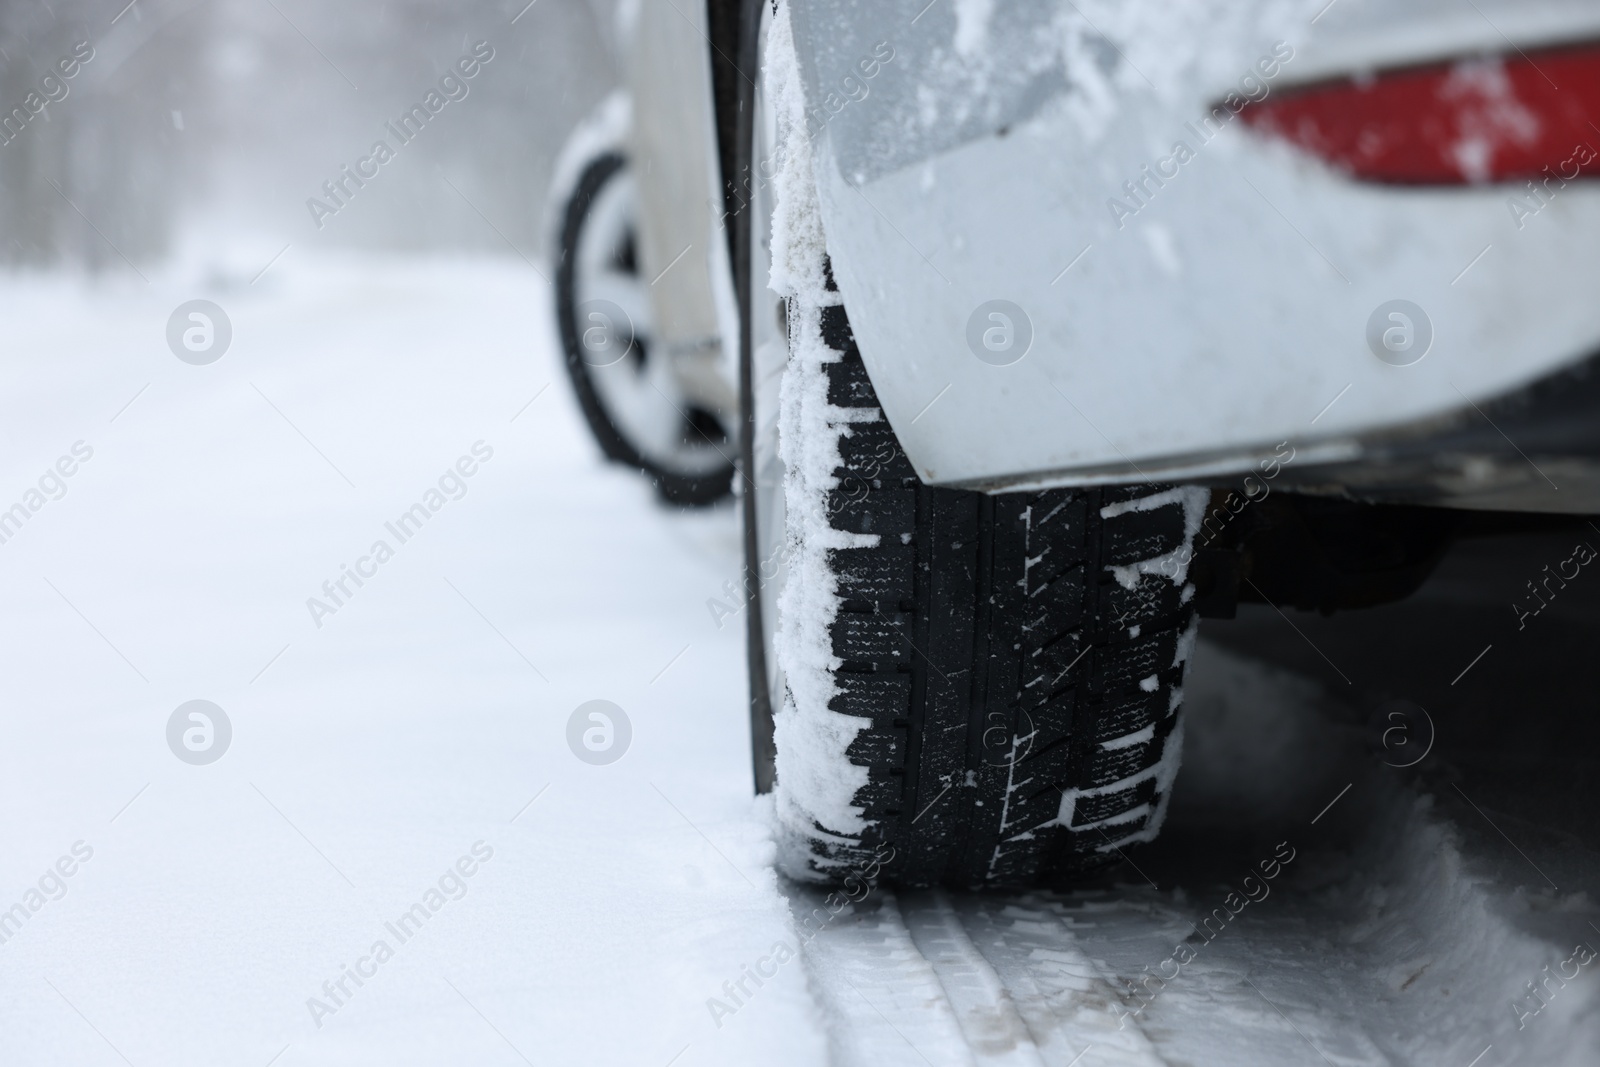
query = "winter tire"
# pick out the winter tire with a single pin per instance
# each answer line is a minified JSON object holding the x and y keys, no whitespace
{"x":948,"y":686}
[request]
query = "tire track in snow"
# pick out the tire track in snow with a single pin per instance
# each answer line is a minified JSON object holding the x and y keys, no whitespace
{"x":1045,"y":981}
{"x":1040,"y":979}
{"x":881,"y":999}
{"x":1391,"y":940}
{"x":901,"y":981}
{"x":1209,"y":1014}
{"x":983,"y":1007}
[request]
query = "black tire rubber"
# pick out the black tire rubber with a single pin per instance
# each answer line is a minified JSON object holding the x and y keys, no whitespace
{"x":974,"y":615}
{"x":986,"y":644}
{"x":675,"y":487}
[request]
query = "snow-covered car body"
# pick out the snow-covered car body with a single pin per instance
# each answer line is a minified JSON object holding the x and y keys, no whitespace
{"x":1070,"y":257}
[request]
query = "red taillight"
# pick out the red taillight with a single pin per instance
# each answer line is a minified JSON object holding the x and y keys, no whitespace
{"x":1478,"y":120}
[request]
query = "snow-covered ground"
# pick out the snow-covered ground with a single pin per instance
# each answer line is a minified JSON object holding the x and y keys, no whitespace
{"x":403,"y":748}
{"x":1304,"y":906}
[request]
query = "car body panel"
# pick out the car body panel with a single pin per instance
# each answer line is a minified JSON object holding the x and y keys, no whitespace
{"x":1222,"y":312}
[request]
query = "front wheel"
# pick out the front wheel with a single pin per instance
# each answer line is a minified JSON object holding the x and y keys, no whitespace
{"x":632,"y":400}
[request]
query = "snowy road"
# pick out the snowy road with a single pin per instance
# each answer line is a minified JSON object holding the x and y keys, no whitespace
{"x":1385,"y":934}
{"x":399,"y":771}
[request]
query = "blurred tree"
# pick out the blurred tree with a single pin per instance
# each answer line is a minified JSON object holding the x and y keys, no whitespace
{"x":94,"y":177}
{"x":205,"y":122}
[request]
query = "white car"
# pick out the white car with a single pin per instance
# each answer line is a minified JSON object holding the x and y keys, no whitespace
{"x":1027,"y":332}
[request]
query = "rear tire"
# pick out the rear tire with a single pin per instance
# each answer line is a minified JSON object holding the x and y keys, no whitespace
{"x":962,"y":689}
{"x":1011,"y":667}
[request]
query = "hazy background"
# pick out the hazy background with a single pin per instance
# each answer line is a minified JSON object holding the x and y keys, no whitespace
{"x":199,"y":129}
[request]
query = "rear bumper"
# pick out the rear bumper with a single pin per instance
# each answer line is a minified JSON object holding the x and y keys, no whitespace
{"x":1223,"y":308}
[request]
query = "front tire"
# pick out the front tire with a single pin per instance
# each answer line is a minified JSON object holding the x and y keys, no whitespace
{"x":631,"y":400}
